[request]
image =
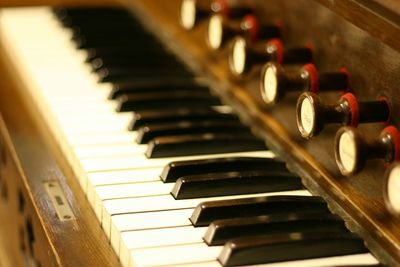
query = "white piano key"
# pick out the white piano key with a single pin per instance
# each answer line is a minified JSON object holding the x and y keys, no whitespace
{"x":180,"y":254}
{"x":151,"y":220}
{"x":102,"y":139}
{"x":108,"y":192}
{"x":159,"y":237}
{"x":124,"y":176}
{"x":93,"y":108}
{"x":197,"y":264}
{"x":75,"y":129}
{"x":164,"y":237}
{"x":167,"y":202}
{"x":117,"y":163}
{"x":365,"y":259}
{"x":110,"y":150}
{"x":186,"y":255}
{"x":104,"y":116}
{"x":122,"y":225}
{"x":106,"y":113}
{"x":134,"y":190}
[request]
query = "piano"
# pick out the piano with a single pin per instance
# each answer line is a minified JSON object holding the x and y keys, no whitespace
{"x":200,"y":133}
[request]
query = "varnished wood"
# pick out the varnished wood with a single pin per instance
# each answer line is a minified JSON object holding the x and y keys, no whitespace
{"x":15,"y":3}
{"x":380,"y":18}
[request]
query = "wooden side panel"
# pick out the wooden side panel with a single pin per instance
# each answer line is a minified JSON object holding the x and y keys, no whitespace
{"x":24,"y":241}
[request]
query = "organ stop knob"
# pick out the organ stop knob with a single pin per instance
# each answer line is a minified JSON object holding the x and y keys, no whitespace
{"x":245,"y":56}
{"x":277,"y":80}
{"x":312,"y":114}
{"x":221,"y":29}
{"x":391,"y":189}
{"x":352,"y":149}
{"x":194,"y":11}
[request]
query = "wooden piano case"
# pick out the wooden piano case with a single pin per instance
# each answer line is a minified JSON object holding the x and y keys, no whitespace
{"x":362,"y":36}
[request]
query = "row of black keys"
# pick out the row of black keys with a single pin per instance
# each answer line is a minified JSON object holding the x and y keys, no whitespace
{"x":167,"y":102}
{"x":259,"y":229}
{"x":174,"y":114}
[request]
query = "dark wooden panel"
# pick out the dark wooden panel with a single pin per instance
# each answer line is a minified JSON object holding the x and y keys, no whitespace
{"x":381,"y":18}
{"x":13,"y":3}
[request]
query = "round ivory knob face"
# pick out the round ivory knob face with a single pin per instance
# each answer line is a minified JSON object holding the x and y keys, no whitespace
{"x":393,"y":190}
{"x":269,"y":84}
{"x":188,"y":14}
{"x":215,"y":32}
{"x":307,"y":117}
{"x":347,"y":153}
{"x":238,"y":57}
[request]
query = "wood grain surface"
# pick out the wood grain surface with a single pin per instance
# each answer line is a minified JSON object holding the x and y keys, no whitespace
{"x":11,"y":3}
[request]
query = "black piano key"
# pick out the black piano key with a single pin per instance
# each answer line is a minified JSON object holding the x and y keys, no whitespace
{"x":93,"y":21}
{"x":116,"y":27}
{"x":148,"y":133}
{"x":130,"y":41}
{"x":156,"y":88}
{"x":286,"y":247}
{"x":117,"y":74}
{"x":234,"y":183}
{"x":127,"y":81}
{"x":137,"y":62}
{"x":122,"y":51}
{"x":80,"y":16}
{"x":149,"y":118}
{"x":142,"y":66}
{"x":90,"y":12}
{"x":87,"y":41}
{"x":164,"y":101}
{"x":210,"y":211}
{"x":134,"y":39}
{"x":149,"y":68}
{"x":175,"y":146}
{"x":221,"y":231}
{"x":177,"y":169}
{"x":118,"y":30}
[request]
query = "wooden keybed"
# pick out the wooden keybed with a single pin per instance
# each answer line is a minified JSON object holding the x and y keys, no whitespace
{"x":358,"y":35}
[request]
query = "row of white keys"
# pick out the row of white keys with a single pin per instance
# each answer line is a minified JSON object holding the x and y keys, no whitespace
{"x":64,"y":87}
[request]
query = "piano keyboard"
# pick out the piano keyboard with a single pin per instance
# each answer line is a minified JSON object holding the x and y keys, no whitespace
{"x":145,"y":223}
